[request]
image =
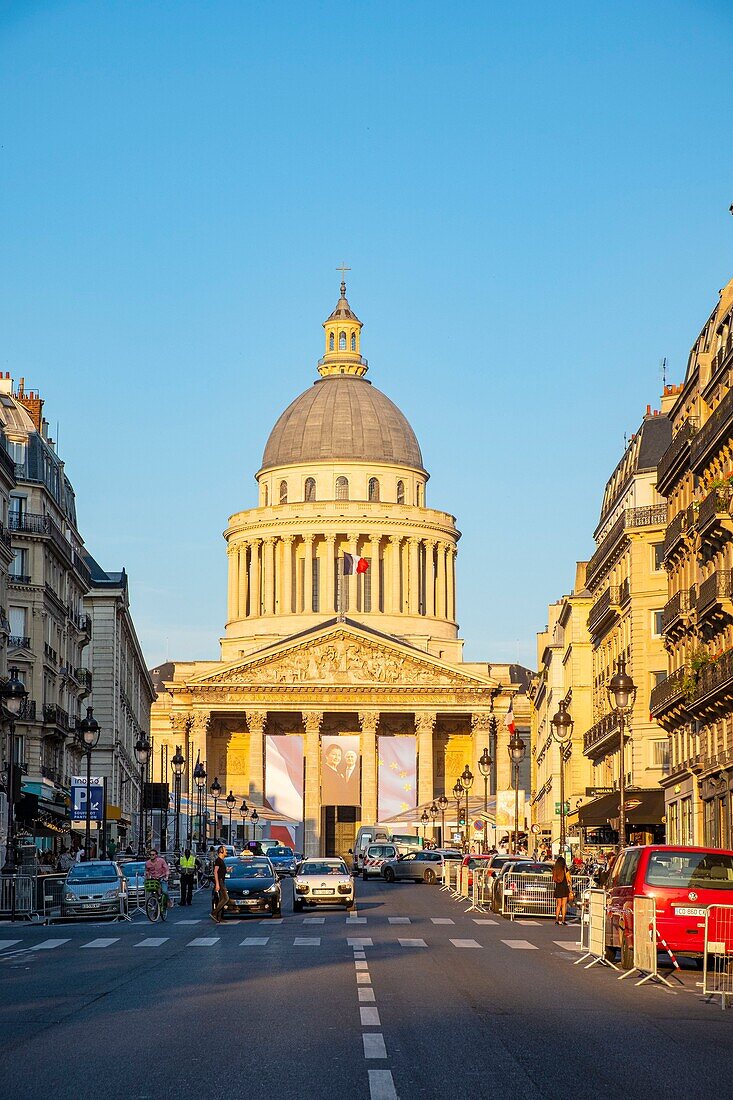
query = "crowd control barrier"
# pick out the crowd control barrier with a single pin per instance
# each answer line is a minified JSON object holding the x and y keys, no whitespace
{"x":717,"y":974}
{"x":17,"y":896}
{"x":596,"y":931}
{"x":477,"y":891}
{"x":533,"y":895}
{"x":52,"y":891}
{"x":645,"y":943}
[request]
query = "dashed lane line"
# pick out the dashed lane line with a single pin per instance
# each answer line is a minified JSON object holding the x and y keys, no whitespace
{"x":366,"y":942}
{"x":365,"y":995}
{"x":399,"y":920}
{"x":369,"y":1017}
{"x":374,"y":1045}
{"x":363,"y":978}
{"x":358,"y":964}
{"x":381,"y":1085}
{"x":520,"y":945}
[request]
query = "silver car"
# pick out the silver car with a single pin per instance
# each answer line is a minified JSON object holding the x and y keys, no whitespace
{"x":322,"y":882}
{"x":94,"y":889}
{"x":424,"y":866}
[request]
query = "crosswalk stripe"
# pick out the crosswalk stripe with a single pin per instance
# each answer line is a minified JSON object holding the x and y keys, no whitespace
{"x":203,"y":941}
{"x":520,"y":945}
{"x":272,"y":920}
{"x":369,"y":1017}
{"x":255,"y":941}
{"x":443,"y":920}
{"x":412,"y":943}
{"x":307,"y":941}
{"x":526,"y":921}
{"x":356,"y":920}
{"x":8,"y":943}
{"x":399,"y":920}
{"x":189,"y":921}
{"x":102,"y":942}
{"x":47,"y":945}
{"x":569,"y":946}
{"x":314,"y":920}
{"x":476,"y":921}
{"x":366,"y":995}
{"x":374,"y":1045}
{"x":152,"y":941}
{"x":465,"y":943}
{"x":359,"y":943}
{"x":363,"y":979}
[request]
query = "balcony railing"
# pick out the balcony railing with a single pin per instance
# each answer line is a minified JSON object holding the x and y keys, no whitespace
{"x":721,"y":355}
{"x":675,"y":607}
{"x":712,"y":430}
{"x":649,"y":516}
{"x":606,"y":729}
{"x":52,"y":775}
{"x":57,"y":716}
{"x":84,"y":677}
{"x":676,"y":454}
{"x":716,"y":503}
{"x":5,"y":535}
{"x":605,"y":605}
{"x":669,"y":692}
{"x":19,"y":641}
{"x":50,"y":653}
{"x":718,"y":586}
{"x":675,"y":532}
{"x":718,"y":674}
{"x":18,"y":578}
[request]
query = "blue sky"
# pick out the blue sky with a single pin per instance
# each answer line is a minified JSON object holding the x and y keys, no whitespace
{"x":533,"y":200}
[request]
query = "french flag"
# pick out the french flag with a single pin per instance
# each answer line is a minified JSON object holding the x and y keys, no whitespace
{"x":351,"y":565}
{"x":509,"y":719}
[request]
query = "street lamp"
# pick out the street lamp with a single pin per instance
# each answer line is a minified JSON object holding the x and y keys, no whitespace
{"x":443,"y":803}
{"x":255,"y":819}
{"x":231,"y":803}
{"x":466,"y":781}
{"x":562,"y":731}
{"x":12,"y":695}
{"x":215,"y":792}
{"x":517,"y":750}
{"x":244,"y":810}
{"x":425,"y":820}
{"x":433,"y":811}
{"x":622,"y":696}
{"x":484,"y":766}
{"x":199,"y":778}
{"x":458,"y":795}
{"x":178,"y":763}
{"x":142,"y":752}
{"x":88,"y":734}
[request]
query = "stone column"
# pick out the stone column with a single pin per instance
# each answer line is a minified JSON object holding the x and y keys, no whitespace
{"x":255,"y":607}
{"x":395,"y":542}
{"x":308,"y":574}
{"x":312,"y":722}
{"x":199,"y":733}
{"x":413,"y":584}
{"x":232,"y":582}
{"x":269,"y":576}
{"x":377,"y":577}
{"x":327,"y":597}
{"x":256,"y":722}
{"x":429,"y":579}
{"x":243,"y":578}
{"x":440,"y":609}
{"x":349,"y":583}
{"x":451,"y":571}
{"x":286,"y":588}
{"x":369,"y":723}
{"x":424,"y":729}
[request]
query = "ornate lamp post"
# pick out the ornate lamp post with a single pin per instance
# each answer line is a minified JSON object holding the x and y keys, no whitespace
{"x":231,"y":803}
{"x":466,"y":781}
{"x":255,"y":818}
{"x":215,"y":792}
{"x":12,"y":695}
{"x":517,"y":751}
{"x":484,"y":766}
{"x":424,"y":820}
{"x":199,"y":778}
{"x":178,"y":763}
{"x":88,"y":734}
{"x":443,"y":804}
{"x":244,"y":810}
{"x":458,"y":795}
{"x":622,"y":696}
{"x":562,"y":731}
{"x":142,"y":752}
{"x":433,"y":811}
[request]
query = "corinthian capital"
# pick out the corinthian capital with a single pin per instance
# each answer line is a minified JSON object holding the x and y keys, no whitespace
{"x":425,"y":721}
{"x":480,"y":723}
{"x":200,"y":723}
{"x":368,"y":721}
{"x":256,"y":720}
{"x":312,"y":721}
{"x":180,"y":721}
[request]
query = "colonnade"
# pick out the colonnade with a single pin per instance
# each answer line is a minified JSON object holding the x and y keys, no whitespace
{"x":298,"y":574}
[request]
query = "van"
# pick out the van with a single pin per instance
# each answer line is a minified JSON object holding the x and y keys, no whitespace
{"x":375,"y":857}
{"x":367,"y":835}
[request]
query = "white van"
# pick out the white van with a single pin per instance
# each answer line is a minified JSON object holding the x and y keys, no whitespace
{"x":368,"y":834}
{"x":375,"y":856}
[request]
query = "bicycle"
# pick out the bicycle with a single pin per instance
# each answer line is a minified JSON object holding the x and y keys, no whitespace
{"x":156,"y":902}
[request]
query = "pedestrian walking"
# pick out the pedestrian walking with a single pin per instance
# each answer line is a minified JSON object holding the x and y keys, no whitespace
{"x":222,"y":897}
{"x":187,"y":867}
{"x":563,"y":889}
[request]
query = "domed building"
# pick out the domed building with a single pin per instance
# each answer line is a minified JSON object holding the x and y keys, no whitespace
{"x":340,"y":657}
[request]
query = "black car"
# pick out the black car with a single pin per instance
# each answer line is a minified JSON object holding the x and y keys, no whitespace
{"x":252,"y":886}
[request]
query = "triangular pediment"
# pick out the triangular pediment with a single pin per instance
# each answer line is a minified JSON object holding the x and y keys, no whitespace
{"x":341,"y":654}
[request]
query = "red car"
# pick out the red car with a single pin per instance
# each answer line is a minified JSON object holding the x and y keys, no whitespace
{"x":684,"y":882}
{"x":474,"y":860}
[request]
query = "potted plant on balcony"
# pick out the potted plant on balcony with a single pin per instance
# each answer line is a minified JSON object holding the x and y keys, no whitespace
{"x":698,"y":659}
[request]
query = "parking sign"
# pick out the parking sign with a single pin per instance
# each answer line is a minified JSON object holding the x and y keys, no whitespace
{"x":79,"y":798}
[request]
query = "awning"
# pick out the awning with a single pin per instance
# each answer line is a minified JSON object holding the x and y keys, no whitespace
{"x":643,"y":807}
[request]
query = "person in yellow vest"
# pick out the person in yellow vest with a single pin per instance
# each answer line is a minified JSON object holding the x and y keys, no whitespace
{"x":187,"y":866}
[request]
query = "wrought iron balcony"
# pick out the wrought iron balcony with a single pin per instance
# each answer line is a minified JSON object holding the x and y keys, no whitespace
{"x":675,"y":459}
{"x":601,"y":738}
{"x":651,"y":515}
{"x":715,"y":598}
{"x":720,"y":359}
{"x":84,"y":677}
{"x":19,"y":641}
{"x":675,"y":533}
{"x":714,"y":522}
{"x":27,"y":711}
{"x":716,"y":679}
{"x":606,"y":606}
{"x":712,"y":432}
{"x":54,"y":715}
{"x":676,"y":610}
{"x":669,"y":693}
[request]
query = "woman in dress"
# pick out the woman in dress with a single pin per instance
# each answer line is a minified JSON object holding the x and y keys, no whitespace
{"x":561,"y":879}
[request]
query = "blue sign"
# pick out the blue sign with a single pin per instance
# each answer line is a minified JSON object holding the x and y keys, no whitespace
{"x":79,"y":799}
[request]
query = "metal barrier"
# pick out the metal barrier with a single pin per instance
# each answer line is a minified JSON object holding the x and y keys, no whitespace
{"x":477,"y":888}
{"x":717,"y":974}
{"x":534,"y":894}
{"x":645,"y":943}
{"x":17,"y":896}
{"x":596,"y":931}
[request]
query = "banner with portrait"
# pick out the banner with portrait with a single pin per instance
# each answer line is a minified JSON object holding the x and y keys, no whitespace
{"x":505,"y":809}
{"x":284,"y":774}
{"x":396,"y":776}
{"x":340,"y":770}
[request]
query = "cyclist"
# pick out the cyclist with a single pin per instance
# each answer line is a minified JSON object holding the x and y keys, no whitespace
{"x":156,"y":868}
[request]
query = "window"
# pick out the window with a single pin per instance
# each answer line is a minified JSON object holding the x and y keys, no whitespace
{"x":342,"y":488}
{"x":342,"y":341}
{"x":19,"y":563}
{"x":400,"y":492}
{"x":660,"y":755}
{"x":18,"y":620}
{"x":265,"y":495}
{"x":418,"y":494}
{"x":353,"y":341}
{"x":657,"y":556}
{"x":373,"y":489}
{"x":658,"y":678}
{"x":310,"y":488}
{"x":16,"y":452}
{"x":657,"y":623}
{"x":627,"y":871}
{"x":283,"y":492}
{"x":330,"y":342}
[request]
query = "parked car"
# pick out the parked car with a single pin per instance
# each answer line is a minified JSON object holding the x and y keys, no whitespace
{"x":374,"y":858}
{"x":473,"y":861}
{"x":252,"y":886}
{"x":322,"y":882}
{"x":414,"y":867}
{"x":683,"y":881}
{"x":134,"y":873}
{"x":283,"y":860}
{"x":533,"y":894}
{"x":93,"y":889}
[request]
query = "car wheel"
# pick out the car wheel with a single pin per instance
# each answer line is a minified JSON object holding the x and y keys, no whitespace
{"x":349,"y":906}
{"x":297,"y":906}
{"x":429,"y":877}
{"x":388,"y":874}
{"x":627,"y":954}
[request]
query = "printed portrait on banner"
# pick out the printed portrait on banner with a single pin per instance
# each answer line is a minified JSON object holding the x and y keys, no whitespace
{"x":340,"y":770}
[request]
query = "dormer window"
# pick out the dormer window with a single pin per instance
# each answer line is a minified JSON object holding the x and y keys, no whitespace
{"x":342,"y":341}
{"x":330,"y":342}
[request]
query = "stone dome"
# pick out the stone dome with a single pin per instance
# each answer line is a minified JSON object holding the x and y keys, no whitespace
{"x":342,"y":418}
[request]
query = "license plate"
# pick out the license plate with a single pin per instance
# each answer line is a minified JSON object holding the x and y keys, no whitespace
{"x":689,"y":911}
{"x":322,"y":893}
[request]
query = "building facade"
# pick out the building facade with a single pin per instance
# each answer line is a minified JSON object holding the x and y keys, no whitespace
{"x":341,"y":619}
{"x":694,"y":704}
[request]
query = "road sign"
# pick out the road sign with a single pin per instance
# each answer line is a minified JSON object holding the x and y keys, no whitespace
{"x":79,"y":798}
{"x":478,"y":826}
{"x":558,"y":808}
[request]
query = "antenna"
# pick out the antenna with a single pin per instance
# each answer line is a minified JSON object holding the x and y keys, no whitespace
{"x":663,"y":371}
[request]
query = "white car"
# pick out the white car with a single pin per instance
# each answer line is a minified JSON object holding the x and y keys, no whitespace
{"x":320,"y":881}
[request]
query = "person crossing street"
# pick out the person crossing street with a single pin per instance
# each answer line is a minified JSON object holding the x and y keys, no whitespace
{"x":222,"y":896}
{"x":187,"y":867}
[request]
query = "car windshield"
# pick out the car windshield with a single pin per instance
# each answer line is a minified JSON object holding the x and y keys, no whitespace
{"x":90,"y":872}
{"x":324,"y":869}
{"x":477,"y":861}
{"x":704,"y":870}
{"x":248,"y":869}
{"x":129,"y":870}
{"x":532,"y":868}
{"x":280,"y":853}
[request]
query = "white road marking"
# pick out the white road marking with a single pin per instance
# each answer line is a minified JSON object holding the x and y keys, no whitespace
{"x":359,"y":943}
{"x":374,"y":1045}
{"x":307,"y":941}
{"x":8,"y":943}
{"x":189,"y":921}
{"x":272,"y":920}
{"x":526,"y":922}
{"x":47,"y":945}
{"x":412,"y":943}
{"x":444,"y":920}
{"x":366,"y":995}
{"x":203,"y":941}
{"x":359,"y":955}
{"x":381,"y":1085}
{"x":102,"y":942}
{"x":369,"y":1017}
{"x":255,"y":941}
{"x":357,"y":965}
{"x":569,"y":946}
{"x":465,"y":943}
{"x":314,"y":920}
{"x":399,"y":920}
{"x":356,"y":920}
{"x":475,"y":921}
{"x":363,"y":979}
{"x":152,"y":941}
{"x":520,"y":945}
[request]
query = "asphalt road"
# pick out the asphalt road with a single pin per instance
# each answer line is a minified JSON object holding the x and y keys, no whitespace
{"x":412,"y":998}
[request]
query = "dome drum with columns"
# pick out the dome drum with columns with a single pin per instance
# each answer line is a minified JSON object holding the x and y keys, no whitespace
{"x":308,"y":652}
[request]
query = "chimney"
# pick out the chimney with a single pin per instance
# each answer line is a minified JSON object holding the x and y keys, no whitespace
{"x":32,"y":402}
{"x":669,"y":397}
